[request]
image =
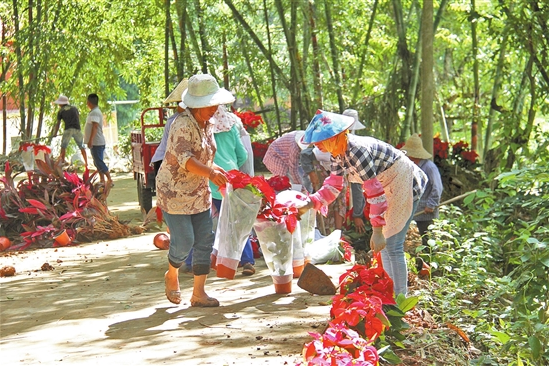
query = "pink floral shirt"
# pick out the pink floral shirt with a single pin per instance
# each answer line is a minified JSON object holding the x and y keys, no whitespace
{"x":179,"y":191}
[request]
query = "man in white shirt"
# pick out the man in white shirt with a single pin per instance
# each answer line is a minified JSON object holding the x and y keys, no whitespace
{"x":94,"y":138}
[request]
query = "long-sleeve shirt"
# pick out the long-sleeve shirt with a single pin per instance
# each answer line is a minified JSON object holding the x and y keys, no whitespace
{"x":161,"y":149}
{"x":178,"y":191}
{"x":366,"y":158}
{"x":433,"y":191}
{"x":282,"y":158}
{"x":230,"y":155}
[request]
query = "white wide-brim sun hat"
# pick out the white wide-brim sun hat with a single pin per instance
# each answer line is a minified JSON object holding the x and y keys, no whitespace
{"x":62,"y":100}
{"x":357,"y":125}
{"x":203,"y":91}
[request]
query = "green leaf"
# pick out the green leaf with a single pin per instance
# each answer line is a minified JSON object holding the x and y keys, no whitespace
{"x":408,"y":303}
{"x":391,"y":357}
{"x":535,"y":346}
{"x":467,"y":200}
{"x":501,"y":337}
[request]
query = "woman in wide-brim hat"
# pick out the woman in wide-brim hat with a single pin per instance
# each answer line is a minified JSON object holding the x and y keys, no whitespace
{"x":182,"y":186}
{"x":392,"y":183}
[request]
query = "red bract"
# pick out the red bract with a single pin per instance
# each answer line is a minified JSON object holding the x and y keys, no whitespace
{"x":279,"y":182}
{"x":257,"y":184}
{"x":470,"y":156}
{"x":339,"y":346}
{"x":280,"y":212}
{"x":250,"y":120}
{"x":370,"y":281}
{"x":260,"y":149}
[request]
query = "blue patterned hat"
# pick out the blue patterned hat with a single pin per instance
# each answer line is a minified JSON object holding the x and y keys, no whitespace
{"x":325,"y":125}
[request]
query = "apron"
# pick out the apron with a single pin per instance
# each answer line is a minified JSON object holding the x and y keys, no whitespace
{"x":397,"y":182}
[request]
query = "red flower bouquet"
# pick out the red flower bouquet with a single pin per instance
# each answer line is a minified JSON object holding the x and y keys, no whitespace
{"x":250,"y":120}
{"x":339,"y":346}
{"x":279,"y":182}
{"x":372,"y":281}
{"x":243,"y":196}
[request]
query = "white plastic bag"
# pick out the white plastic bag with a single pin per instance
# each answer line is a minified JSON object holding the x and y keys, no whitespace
{"x":326,"y":249}
{"x":238,"y":212}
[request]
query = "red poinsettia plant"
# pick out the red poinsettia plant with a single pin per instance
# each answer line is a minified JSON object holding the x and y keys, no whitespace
{"x":250,"y":120}
{"x":373,"y":281}
{"x":279,"y":182}
{"x":280,"y":212}
{"x":339,"y":345}
{"x":27,"y":146}
{"x":256,"y":184}
{"x":260,"y":148}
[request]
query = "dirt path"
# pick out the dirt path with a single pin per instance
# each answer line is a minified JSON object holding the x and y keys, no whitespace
{"x":104,"y":303}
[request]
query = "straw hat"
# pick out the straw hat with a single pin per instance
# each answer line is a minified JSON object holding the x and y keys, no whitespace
{"x":62,"y":100}
{"x":414,"y":148}
{"x":175,"y":95}
{"x":203,"y":91}
{"x":353,"y":113}
{"x":325,"y":125}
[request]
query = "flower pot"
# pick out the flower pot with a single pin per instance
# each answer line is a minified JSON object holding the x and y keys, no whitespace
{"x":225,"y":272}
{"x":62,"y":238}
{"x":283,"y":288}
{"x":298,"y":270}
{"x":282,"y":284}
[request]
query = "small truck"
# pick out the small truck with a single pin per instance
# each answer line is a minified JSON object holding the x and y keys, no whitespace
{"x":142,"y":153}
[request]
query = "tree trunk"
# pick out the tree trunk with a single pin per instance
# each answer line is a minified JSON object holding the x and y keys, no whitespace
{"x":363,"y":53}
{"x":495,"y":90}
{"x":476,"y":91}
{"x":289,"y":34}
{"x":194,"y":41}
{"x":5,"y":66}
{"x":181,"y":8}
{"x":167,"y":49}
{"x":19,"y":58}
{"x":259,"y":44}
{"x":335,"y":54}
{"x":317,"y":80}
{"x":410,"y":105}
{"x":427,"y":83}
{"x":272,"y":72}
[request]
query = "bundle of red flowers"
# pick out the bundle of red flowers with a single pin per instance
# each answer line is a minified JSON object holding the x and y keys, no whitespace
{"x":260,"y":149}
{"x":279,"y":182}
{"x":356,"y":311}
{"x":256,"y":184}
{"x":340,"y":346}
{"x":27,"y":146}
{"x":249,"y":119}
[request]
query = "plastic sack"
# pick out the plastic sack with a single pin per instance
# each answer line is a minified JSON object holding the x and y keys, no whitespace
{"x":307,"y":225}
{"x":277,"y":246}
{"x":295,"y":197}
{"x":238,"y":212}
{"x":326,"y":249}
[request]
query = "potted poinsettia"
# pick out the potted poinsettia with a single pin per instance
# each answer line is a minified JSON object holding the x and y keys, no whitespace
{"x":275,"y":227}
{"x":243,"y":196}
{"x":339,"y":345}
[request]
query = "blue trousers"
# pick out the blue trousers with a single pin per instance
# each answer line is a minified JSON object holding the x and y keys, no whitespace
{"x":190,"y":232}
{"x":247,"y":254}
{"x":394,"y":259}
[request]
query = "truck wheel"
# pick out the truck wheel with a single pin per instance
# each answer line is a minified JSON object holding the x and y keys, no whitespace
{"x":144,"y":194}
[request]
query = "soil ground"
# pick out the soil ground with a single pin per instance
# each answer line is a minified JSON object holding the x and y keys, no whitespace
{"x":104,"y":303}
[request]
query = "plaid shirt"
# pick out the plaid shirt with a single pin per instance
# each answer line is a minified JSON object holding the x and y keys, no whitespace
{"x":367,"y":157}
{"x":282,"y":158}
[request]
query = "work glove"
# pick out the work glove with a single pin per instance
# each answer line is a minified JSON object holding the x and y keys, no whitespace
{"x":377,"y":240}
